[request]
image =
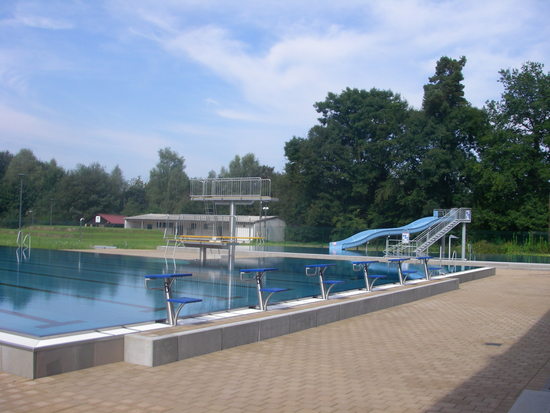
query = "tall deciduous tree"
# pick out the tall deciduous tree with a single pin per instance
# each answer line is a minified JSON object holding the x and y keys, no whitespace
{"x":135,"y":199}
{"x":337,"y":171}
{"x":38,"y":179}
{"x":513,"y":176}
{"x":168,"y":186}
{"x":86,"y":191}
{"x":246,"y":166}
{"x":448,"y":136}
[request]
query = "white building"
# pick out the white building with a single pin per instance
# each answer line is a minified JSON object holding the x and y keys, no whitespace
{"x":270,"y":227}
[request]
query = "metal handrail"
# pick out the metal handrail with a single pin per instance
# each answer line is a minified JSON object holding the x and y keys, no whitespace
{"x":249,"y":187}
{"x":419,"y":245}
{"x":454,"y":217}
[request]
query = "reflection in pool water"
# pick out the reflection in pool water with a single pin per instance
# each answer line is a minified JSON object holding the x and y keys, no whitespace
{"x":56,"y":292}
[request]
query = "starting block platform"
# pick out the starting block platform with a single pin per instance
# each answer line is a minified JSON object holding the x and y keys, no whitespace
{"x":257,"y":275}
{"x":168,"y":281}
{"x":318,"y":270}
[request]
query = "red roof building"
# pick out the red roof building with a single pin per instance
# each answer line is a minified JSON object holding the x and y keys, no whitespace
{"x":108,"y":220}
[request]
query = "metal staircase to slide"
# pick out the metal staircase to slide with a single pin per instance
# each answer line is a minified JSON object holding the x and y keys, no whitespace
{"x":420,"y":245}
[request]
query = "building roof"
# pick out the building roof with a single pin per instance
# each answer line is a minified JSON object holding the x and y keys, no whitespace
{"x":196,"y":217}
{"x":113,"y":219}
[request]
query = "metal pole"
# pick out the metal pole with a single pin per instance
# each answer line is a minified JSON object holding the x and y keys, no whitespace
{"x":366,"y":276}
{"x":463,"y":241}
{"x":51,"y":210}
{"x":20,"y":198}
{"x":400,"y":272}
{"x":259,"y":290}
{"x":169,"y":305}
{"x":232,"y":235}
{"x":322,"y":282}
{"x":451,"y":237}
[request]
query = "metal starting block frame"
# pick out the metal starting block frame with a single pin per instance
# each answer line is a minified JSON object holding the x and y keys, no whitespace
{"x":426,"y":268}
{"x":318,"y":270}
{"x":404,"y":274}
{"x":370,"y":279}
{"x":168,"y":281}
{"x":257,"y":274}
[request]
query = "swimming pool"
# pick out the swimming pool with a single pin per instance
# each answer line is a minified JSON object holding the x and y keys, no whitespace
{"x":57,"y":292}
{"x":535,"y":259}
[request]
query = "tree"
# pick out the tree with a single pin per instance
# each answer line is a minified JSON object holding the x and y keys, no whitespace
{"x":512,"y":184}
{"x":38,"y":179}
{"x":135,"y":198}
{"x":337,"y":171}
{"x":168,"y":186}
{"x":118,"y":188}
{"x":446,"y":135}
{"x":86,"y":191}
{"x":445,"y":90}
{"x":247,"y":166}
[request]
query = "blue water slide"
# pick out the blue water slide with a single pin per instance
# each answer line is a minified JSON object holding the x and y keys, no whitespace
{"x":361,"y":238}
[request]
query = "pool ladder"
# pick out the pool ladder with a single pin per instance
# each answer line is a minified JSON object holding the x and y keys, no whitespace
{"x":23,"y":245}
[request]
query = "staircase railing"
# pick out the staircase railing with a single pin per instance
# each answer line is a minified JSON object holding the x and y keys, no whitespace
{"x":449,"y":221}
{"x":420,"y":245}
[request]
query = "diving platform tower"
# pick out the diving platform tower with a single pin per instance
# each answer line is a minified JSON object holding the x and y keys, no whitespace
{"x":232,"y":192}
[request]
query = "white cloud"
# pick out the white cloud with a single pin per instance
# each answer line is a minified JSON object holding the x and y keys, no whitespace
{"x":41,"y":22}
{"x":16,"y":124}
{"x":262,"y":66}
{"x":301,"y":68}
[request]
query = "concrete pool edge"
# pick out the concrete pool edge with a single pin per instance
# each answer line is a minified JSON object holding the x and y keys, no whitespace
{"x":35,"y":358}
{"x":153,"y":351}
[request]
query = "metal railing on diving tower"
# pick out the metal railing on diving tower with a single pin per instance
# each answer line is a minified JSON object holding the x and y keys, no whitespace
{"x":232,"y":192}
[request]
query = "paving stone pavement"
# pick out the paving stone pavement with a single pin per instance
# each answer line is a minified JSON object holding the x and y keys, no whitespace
{"x":470,"y":350}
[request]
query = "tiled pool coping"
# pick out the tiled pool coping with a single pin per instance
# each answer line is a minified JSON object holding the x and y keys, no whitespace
{"x":156,"y":344}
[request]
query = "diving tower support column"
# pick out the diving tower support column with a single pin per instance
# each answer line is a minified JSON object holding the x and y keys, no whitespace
{"x":463,"y":249}
{"x":232,"y":233}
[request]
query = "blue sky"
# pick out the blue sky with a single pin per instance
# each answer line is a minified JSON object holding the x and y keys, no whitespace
{"x":114,"y":81}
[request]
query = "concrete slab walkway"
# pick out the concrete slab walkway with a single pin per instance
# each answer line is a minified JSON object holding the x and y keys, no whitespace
{"x":470,"y":350}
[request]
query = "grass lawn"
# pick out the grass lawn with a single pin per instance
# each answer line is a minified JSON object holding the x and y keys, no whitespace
{"x":66,"y":237}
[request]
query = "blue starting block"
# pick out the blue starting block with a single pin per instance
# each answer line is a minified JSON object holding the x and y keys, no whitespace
{"x":411,"y":275}
{"x":429,"y":271}
{"x":405,"y":274}
{"x":318,"y":270}
{"x":399,"y":261}
{"x":182,"y":301}
{"x":370,"y":279}
{"x":167,"y":283}
{"x":258,"y":274}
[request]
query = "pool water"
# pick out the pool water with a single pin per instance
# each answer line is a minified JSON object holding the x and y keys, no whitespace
{"x":56,"y":292}
{"x":360,"y":252}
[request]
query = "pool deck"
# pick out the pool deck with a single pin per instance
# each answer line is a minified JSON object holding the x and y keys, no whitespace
{"x":473,"y":349}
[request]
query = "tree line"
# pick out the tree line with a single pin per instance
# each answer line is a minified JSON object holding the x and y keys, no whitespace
{"x":371,"y":161}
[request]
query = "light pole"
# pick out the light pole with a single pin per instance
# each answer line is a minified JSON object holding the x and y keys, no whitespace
{"x":81,"y":221}
{"x":265,"y":208}
{"x":451,"y":237}
{"x":51,"y":210}
{"x":20,"y":198}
